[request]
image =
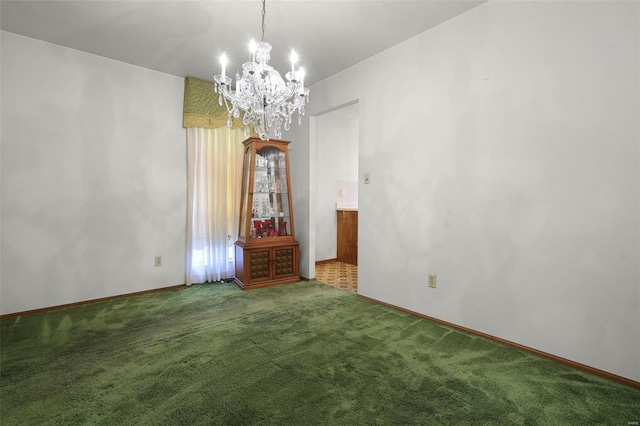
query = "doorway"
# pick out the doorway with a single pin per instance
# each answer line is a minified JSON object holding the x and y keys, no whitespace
{"x":336,"y":169}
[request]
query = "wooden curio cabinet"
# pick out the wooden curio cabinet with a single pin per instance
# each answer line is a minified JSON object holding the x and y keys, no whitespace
{"x":266,"y":251}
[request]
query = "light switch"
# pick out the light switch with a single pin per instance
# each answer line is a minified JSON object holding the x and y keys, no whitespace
{"x":367,"y":178}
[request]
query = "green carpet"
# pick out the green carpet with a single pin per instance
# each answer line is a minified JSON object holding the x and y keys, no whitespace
{"x":299,"y":354}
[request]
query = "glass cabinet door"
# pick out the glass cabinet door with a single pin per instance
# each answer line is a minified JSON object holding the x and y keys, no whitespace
{"x":270,"y":210}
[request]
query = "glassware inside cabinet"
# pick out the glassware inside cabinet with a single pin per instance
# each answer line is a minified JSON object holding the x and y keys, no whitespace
{"x":270,"y":210}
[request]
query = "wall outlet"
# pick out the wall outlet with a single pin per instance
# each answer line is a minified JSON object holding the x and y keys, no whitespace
{"x":158,"y":260}
{"x":433,"y":281}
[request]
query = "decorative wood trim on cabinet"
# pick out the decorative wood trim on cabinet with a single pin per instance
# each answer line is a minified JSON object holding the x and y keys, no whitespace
{"x":258,"y":267}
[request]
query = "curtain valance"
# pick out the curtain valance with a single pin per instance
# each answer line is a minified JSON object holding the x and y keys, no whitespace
{"x":201,"y":106}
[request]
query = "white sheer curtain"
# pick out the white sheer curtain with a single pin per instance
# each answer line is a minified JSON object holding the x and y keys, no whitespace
{"x":214,"y":168}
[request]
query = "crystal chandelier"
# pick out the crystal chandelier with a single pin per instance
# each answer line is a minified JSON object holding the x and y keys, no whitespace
{"x":266,"y":101}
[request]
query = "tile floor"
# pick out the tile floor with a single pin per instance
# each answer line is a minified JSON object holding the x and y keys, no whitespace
{"x":337,"y":274}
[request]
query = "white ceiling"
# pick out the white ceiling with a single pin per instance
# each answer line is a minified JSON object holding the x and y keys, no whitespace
{"x":186,"y":37}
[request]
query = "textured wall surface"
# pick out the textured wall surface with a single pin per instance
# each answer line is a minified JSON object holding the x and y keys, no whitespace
{"x":505,"y":159}
{"x":93,"y":176}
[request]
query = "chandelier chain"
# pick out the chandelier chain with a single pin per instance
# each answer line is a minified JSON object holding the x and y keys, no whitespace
{"x":264,"y":26}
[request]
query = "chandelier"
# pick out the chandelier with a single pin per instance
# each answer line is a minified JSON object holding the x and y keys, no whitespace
{"x":266,"y":101}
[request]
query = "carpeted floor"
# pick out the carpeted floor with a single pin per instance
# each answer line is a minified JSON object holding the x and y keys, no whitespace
{"x":298,"y":354}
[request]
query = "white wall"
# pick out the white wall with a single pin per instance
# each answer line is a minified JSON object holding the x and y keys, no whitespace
{"x":93,"y":176}
{"x":504,"y":157}
{"x":336,"y":162}
{"x":301,"y":169}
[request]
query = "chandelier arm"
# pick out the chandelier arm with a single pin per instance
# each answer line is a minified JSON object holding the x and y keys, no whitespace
{"x":226,"y":96}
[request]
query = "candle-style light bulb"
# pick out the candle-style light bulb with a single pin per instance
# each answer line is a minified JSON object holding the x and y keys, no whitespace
{"x":252,"y":49}
{"x":223,"y":62}
{"x":294,"y":59}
